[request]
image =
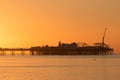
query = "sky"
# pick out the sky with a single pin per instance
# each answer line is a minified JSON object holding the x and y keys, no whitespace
{"x":26,"y":23}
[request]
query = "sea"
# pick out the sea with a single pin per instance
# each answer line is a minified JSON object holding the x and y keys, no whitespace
{"x":88,"y":67}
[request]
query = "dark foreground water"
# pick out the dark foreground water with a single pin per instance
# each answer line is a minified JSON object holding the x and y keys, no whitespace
{"x":60,"y":67}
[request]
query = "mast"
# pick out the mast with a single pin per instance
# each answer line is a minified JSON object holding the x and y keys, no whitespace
{"x":103,"y":43}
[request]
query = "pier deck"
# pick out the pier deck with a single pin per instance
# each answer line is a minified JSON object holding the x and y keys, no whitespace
{"x":58,"y":51}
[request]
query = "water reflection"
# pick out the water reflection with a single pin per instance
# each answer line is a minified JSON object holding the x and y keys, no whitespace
{"x":59,"y":68}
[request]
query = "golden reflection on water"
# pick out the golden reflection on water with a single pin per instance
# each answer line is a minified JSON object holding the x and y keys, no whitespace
{"x":59,"y":68}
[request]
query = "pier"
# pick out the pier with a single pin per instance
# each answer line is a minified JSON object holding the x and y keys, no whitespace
{"x":63,"y":49}
{"x":57,"y":51}
{"x":13,"y":51}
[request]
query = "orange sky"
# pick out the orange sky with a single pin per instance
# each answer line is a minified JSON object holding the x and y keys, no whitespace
{"x":25,"y":23}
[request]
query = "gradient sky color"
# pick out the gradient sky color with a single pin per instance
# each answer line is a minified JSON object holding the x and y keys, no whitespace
{"x":26,"y":23}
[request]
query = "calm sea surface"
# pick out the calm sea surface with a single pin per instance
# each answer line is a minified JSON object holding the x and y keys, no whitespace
{"x":60,"y":67}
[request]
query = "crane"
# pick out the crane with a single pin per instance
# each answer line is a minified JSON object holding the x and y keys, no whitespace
{"x":103,"y":38}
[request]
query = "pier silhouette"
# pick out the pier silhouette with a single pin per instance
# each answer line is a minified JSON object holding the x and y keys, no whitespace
{"x":61,"y":49}
{"x":64,"y":49}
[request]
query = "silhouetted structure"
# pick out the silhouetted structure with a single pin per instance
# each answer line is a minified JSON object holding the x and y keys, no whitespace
{"x":62,"y":49}
{"x":65,"y":49}
{"x":71,"y":49}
